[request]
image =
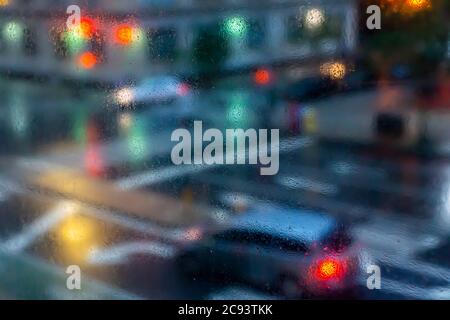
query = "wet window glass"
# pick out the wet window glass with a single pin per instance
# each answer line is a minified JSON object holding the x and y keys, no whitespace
{"x":264,"y":149}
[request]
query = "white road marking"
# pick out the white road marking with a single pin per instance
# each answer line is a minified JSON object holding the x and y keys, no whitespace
{"x":398,"y":237}
{"x":120,"y":253}
{"x":170,"y":172}
{"x":423,"y":269}
{"x":158,"y":175}
{"x":395,"y":243}
{"x":415,"y":292}
{"x":240,"y":293}
{"x":298,"y":182}
{"x":173,"y":234}
{"x":39,"y":226}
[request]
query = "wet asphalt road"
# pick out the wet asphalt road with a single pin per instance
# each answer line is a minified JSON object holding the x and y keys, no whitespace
{"x":396,"y":203}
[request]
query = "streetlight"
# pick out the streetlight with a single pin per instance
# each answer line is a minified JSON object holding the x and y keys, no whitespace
{"x":236,"y":26}
{"x":314,"y":18}
{"x":418,"y":4}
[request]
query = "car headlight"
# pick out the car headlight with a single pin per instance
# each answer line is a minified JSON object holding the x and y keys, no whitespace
{"x":125,"y":96}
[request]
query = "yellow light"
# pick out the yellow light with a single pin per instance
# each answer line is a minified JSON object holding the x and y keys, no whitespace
{"x":4,"y":3}
{"x":76,"y":229}
{"x":337,"y":71}
{"x":418,"y":4}
{"x":75,"y":238}
{"x":406,"y":6}
{"x":334,"y":70}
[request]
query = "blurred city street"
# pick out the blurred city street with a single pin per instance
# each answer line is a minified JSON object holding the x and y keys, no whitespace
{"x":93,"y":93}
{"x":396,"y":203}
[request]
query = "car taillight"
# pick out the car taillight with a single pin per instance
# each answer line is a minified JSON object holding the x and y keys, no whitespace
{"x":329,"y":269}
{"x":193,"y":234}
{"x":183,"y":89}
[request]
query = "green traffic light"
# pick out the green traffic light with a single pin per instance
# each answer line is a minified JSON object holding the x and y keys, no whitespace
{"x":236,"y":26}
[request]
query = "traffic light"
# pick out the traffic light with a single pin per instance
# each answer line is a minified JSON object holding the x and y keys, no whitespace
{"x":87,"y":60}
{"x":86,"y":28}
{"x":123,"y":34}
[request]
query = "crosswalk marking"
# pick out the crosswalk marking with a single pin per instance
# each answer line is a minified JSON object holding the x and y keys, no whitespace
{"x":39,"y":226}
{"x":120,"y":253}
{"x":415,"y":292}
{"x":170,"y":172}
{"x":421,"y":268}
{"x":147,"y":227}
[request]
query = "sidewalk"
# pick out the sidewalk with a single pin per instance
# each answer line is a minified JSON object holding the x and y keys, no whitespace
{"x":73,"y":184}
{"x":350,"y":117}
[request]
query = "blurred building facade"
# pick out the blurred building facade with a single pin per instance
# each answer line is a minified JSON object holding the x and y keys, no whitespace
{"x":133,"y":38}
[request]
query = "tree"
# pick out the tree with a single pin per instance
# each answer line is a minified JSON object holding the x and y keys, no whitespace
{"x":413,"y":32}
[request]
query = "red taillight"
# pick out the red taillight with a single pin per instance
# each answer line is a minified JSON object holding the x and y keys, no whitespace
{"x":183,"y":89}
{"x":262,"y":77}
{"x":329,"y":269}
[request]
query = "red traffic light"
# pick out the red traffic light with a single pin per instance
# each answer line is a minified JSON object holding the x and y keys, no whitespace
{"x":87,"y":28}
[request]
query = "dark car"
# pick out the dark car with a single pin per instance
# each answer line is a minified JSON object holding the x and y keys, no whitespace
{"x":308,"y":89}
{"x":296,"y":252}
